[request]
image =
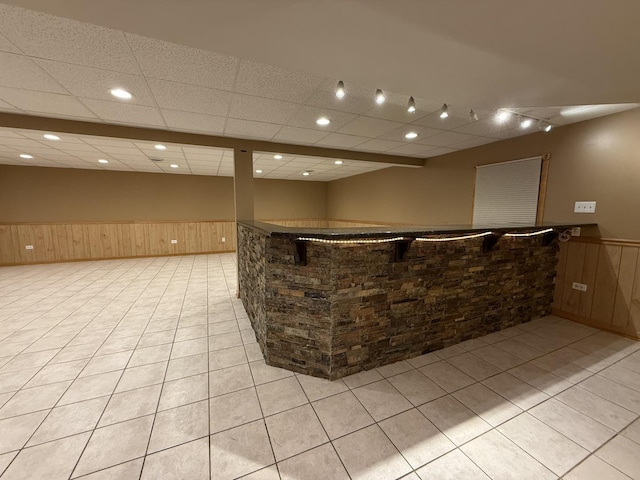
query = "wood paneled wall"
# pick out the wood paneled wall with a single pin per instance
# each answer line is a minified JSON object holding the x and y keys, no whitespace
{"x":611,"y":271}
{"x":59,"y":242}
{"x":62,"y":242}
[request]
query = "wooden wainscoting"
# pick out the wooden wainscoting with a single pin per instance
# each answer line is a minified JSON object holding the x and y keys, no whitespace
{"x":61,"y":242}
{"x":611,"y":271}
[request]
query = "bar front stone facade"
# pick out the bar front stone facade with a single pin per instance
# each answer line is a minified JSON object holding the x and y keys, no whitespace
{"x":352,"y":307}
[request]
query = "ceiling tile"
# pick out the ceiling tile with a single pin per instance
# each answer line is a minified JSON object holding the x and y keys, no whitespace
{"x":7,"y":46}
{"x":399,"y":133}
{"x":247,"y":128}
{"x":299,"y":135}
{"x":271,"y":82}
{"x":260,"y":109}
{"x":190,"y":98}
{"x":181,"y":64}
{"x":56,"y":38}
{"x":379,"y":145}
{"x":125,"y":113}
{"x":414,"y":149}
{"x":6,"y":106}
{"x":42,"y":102}
{"x":20,"y":142}
{"x":340,"y":140}
{"x":118,"y":150}
{"x":306,"y":116}
{"x":189,"y":149}
{"x":96,"y":83}
{"x":446,"y":139}
{"x":112,"y":142}
{"x":19,"y":71}
{"x":475,"y":142}
{"x":369,"y":127}
{"x":487,"y":126}
{"x":434,"y":152}
{"x":193,"y":122}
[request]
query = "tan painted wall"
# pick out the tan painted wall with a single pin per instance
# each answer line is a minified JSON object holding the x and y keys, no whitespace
{"x":289,"y":199}
{"x":34,"y":194}
{"x":593,"y":160}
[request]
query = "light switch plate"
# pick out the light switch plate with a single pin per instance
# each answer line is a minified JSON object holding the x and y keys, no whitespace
{"x":174,"y":241}
{"x":29,"y":247}
{"x":579,"y":286}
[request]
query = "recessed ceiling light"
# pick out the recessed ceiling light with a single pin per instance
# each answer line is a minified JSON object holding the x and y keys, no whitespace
{"x":173,"y":165}
{"x":306,"y":174}
{"x":159,"y":146}
{"x":548,"y":128}
{"x":380,"y":98}
{"x":340,"y":89}
{"x":411,"y":135}
{"x":503,"y":116}
{"x":323,"y":121}
{"x":338,"y":162}
{"x":444,"y":111}
{"x":102,"y":160}
{"x":26,"y":155}
{"x":121,"y":93}
{"x":411,"y":105}
{"x":258,"y":171}
{"x":278,"y":157}
{"x":50,"y":136}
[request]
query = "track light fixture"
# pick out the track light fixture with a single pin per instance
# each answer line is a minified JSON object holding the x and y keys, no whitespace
{"x":444,"y":111}
{"x":525,"y":122}
{"x":340,"y":89}
{"x":411,"y":105}
{"x":473,"y":115}
{"x":380,"y":98}
{"x":544,"y":126}
{"x":503,"y":115}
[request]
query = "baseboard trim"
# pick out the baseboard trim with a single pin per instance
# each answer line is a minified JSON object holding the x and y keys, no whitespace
{"x":114,"y":258}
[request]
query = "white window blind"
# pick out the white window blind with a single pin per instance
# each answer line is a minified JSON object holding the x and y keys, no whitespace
{"x":507,"y":193}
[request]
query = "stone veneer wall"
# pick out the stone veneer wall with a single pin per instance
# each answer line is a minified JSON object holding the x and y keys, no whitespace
{"x":251,"y":265}
{"x":351,"y":308}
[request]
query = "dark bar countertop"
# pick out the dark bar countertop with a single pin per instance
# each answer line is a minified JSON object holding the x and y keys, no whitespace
{"x":386,"y":231}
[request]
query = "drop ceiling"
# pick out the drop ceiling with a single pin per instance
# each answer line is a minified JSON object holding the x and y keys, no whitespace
{"x":84,"y":152}
{"x":57,"y":67}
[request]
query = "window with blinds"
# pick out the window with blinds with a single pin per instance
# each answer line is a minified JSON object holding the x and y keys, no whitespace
{"x":507,"y":193}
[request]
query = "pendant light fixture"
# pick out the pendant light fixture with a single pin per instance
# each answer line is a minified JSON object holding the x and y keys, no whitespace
{"x":444,"y":111}
{"x":411,"y":105}
{"x":340,"y":89}
{"x":380,"y":98}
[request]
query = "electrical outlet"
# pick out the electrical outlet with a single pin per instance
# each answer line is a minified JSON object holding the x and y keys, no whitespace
{"x":584,"y":207}
{"x":575,"y":232}
{"x":224,"y":239}
{"x":579,"y":286}
{"x":29,"y":247}
{"x":174,"y":241}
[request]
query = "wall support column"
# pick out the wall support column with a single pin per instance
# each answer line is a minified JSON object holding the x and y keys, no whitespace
{"x":242,"y":192}
{"x":243,"y":183}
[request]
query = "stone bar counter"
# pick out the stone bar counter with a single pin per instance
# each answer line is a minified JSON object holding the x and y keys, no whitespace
{"x":331,"y":303}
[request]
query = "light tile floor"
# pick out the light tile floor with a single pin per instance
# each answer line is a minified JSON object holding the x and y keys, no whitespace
{"x":148,"y":369}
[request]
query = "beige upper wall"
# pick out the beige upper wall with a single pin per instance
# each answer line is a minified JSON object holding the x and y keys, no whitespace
{"x":34,"y":195}
{"x":594,"y":160}
{"x":289,"y":199}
